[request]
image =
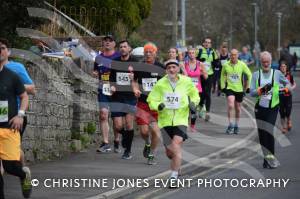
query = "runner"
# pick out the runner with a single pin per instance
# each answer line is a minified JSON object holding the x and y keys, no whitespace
{"x":20,"y":70}
{"x":102,"y":71}
{"x":194,"y":69}
{"x":285,"y":98}
{"x":231,"y":84}
{"x":209,"y":56}
{"x":146,"y":119}
{"x":246,"y":57}
{"x":224,"y":57}
{"x":11,"y":121}
{"x":172,"y":97}
{"x":265,"y":86}
{"x":123,"y":104}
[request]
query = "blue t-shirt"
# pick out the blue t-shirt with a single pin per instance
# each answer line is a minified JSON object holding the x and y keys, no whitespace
{"x":20,"y":70}
{"x":245,"y":57}
{"x":103,"y":66}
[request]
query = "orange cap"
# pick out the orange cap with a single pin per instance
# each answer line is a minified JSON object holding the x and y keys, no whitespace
{"x":150,"y":46}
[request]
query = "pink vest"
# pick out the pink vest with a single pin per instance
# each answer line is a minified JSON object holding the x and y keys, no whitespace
{"x":194,"y":74}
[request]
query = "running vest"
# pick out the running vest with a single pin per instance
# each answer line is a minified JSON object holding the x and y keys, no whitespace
{"x":270,"y":100}
{"x":209,"y":58}
{"x":194,"y":74}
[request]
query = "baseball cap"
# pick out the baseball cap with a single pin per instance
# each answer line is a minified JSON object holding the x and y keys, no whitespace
{"x":109,"y":36}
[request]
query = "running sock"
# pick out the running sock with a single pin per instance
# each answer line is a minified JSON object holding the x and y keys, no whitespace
{"x":129,"y":136}
{"x":174,"y":174}
{"x":14,"y":168}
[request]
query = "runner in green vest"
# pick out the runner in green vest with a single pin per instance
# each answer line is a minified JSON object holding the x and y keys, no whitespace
{"x":173,"y":96}
{"x":208,"y":56}
{"x":265,"y":87}
{"x":232,"y":86}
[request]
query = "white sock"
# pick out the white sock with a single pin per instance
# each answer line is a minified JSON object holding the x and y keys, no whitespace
{"x":174,"y":174}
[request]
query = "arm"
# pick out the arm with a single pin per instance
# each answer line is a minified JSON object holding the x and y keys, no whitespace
{"x":193,"y":93}
{"x":248,"y":73}
{"x":203,"y":70}
{"x":154,"y":98}
{"x":30,"y":89}
{"x":253,"y":91}
{"x":223,"y":78}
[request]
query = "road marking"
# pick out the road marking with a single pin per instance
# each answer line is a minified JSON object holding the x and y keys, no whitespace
{"x":117,"y":192}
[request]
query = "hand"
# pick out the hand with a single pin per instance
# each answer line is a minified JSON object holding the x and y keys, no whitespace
{"x":192,"y":106}
{"x":161,"y":106}
{"x":95,"y":74}
{"x":137,"y":93}
{"x":16,"y":123}
{"x":113,"y":89}
{"x":266,"y":88}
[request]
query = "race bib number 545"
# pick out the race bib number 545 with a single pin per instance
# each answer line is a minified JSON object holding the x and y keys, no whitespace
{"x":3,"y":111}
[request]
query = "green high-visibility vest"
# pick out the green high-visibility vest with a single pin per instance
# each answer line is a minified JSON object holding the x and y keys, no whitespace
{"x":275,"y":90}
{"x":209,"y":58}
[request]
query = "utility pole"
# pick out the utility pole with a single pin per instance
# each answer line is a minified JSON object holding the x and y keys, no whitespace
{"x":256,"y":45}
{"x":279,"y":15}
{"x":175,"y":22}
{"x":231,"y":31}
{"x":183,"y":20}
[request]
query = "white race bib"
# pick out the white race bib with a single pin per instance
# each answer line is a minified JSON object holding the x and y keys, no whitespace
{"x":207,"y":66}
{"x":195,"y":80}
{"x":265,"y":100}
{"x":172,"y":100}
{"x":106,"y":89}
{"x":223,"y":62}
{"x":3,"y":111}
{"x":234,"y":78}
{"x":123,"y":79}
{"x":148,"y":83}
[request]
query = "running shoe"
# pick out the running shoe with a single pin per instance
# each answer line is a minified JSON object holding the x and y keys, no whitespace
{"x":117,"y":147}
{"x":26,"y":183}
{"x":104,"y":148}
{"x":236,"y":130}
{"x":271,"y":162}
{"x":207,"y":117}
{"x":230,"y":129}
{"x":151,"y":160}
{"x":146,"y":150}
{"x":126,"y":155}
{"x":193,"y":128}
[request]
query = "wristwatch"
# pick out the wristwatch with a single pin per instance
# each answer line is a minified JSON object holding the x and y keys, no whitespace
{"x":21,"y":113}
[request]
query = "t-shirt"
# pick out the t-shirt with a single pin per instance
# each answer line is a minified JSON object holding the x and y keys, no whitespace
{"x":20,"y":70}
{"x":245,"y":58}
{"x":147,"y":75}
{"x":119,"y":77}
{"x":10,"y":87}
{"x":103,"y":66}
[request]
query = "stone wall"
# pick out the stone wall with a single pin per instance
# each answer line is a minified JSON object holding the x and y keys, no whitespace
{"x":65,"y":102}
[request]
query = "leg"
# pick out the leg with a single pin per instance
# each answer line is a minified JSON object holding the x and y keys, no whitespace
{"x":230,"y":108}
{"x":237,"y":106}
{"x":1,"y":183}
{"x":104,"y":126}
{"x":175,"y":149}
{"x":155,"y":136}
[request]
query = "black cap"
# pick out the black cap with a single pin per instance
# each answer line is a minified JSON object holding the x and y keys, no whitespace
{"x":109,"y":36}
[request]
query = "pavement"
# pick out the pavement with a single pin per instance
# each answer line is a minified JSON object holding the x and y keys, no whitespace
{"x":92,"y":175}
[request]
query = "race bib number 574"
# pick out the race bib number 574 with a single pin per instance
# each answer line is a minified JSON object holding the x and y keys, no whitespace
{"x":172,"y":100}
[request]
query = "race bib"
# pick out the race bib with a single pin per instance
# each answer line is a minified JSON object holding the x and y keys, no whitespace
{"x":207,"y":65}
{"x":3,"y":111}
{"x":123,"y":79}
{"x":172,"y":100}
{"x":234,"y":78}
{"x":106,"y":89}
{"x":148,"y":83}
{"x":265,"y":100}
{"x":195,"y":80}
{"x":223,"y":62}
{"x":105,"y":77}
